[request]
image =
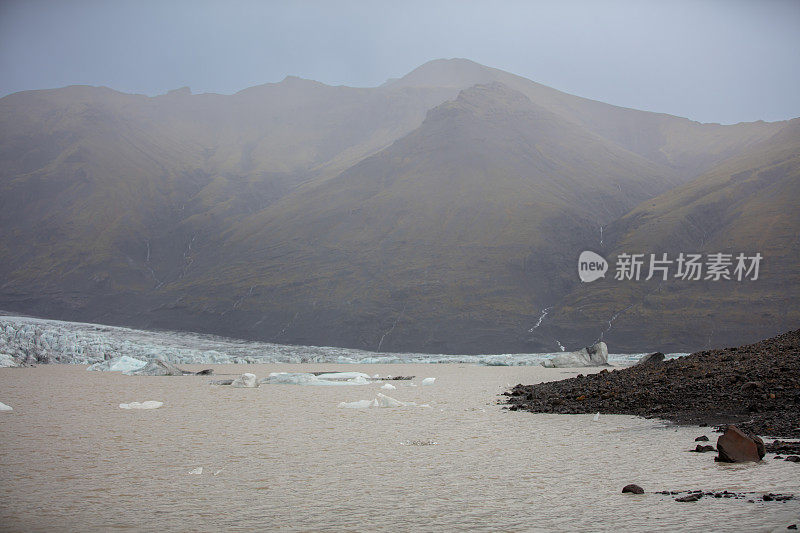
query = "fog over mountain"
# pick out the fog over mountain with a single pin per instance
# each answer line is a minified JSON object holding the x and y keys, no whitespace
{"x":441,"y":212}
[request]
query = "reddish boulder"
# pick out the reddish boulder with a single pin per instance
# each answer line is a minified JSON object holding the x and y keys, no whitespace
{"x":734,"y":446}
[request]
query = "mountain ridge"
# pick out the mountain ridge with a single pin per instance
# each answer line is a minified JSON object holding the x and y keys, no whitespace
{"x":406,"y":217}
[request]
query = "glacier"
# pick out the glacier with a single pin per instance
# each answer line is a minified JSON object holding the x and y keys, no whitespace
{"x":27,"y":341}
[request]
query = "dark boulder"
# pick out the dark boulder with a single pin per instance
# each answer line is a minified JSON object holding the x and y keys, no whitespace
{"x":651,"y":359}
{"x":633,"y":489}
{"x":702,"y":449}
{"x":701,"y":438}
{"x":734,"y":446}
{"x":793,"y":459}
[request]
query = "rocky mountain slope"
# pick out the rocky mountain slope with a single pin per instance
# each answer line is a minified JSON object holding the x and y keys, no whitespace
{"x":441,"y":212}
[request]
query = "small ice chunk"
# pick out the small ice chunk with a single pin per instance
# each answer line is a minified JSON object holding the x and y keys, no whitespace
{"x":388,"y":386}
{"x":412,"y":384}
{"x":387,"y":401}
{"x":245,"y":381}
{"x":150,"y":404}
{"x":596,"y":417}
{"x":198,"y":470}
{"x":376,"y":376}
{"x":428,"y":381}
{"x":361,"y":404}
{"x":4,"y":407}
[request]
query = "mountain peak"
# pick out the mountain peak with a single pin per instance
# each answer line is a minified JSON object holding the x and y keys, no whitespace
{"x":181,"y":91}
{"x":457,"y":72}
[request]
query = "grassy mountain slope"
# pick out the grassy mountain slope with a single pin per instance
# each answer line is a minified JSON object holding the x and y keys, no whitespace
{"x":459,"y":230}
{"x":425,"y":214}
{"x":748,"y":204}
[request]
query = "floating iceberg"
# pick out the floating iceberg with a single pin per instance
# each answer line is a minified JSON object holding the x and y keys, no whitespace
{"x":361,"y":404}
{"x":150,"y":404}
{"x":595,"y":355}
{"x":388,"y":401}
{"x":428,"y":381}
{"x":380,"y":401}
{"x":302,"y":378}
{"x":156,"y":368}
{"x":388,"y":386}
{"x":343,"y":376}
{"x":245,"y":381}
{"x":4,"y":407}
{"x":118,"y":364}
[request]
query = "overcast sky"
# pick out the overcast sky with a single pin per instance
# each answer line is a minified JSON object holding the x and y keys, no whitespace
{"x":713,"y":61}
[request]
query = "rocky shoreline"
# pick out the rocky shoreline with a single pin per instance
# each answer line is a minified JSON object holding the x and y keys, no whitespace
{"x":756,"y":387}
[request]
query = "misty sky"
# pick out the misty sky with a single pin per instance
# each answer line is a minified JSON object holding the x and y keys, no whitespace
{"x":714,"y":61}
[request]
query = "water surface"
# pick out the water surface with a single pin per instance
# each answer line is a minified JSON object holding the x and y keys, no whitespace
{"x":285,"y":457}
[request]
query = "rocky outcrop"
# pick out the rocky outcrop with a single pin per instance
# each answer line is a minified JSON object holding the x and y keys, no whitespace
{"x":734,"y":446}
{"x":595,"y":355}
{"x":704,"y":388}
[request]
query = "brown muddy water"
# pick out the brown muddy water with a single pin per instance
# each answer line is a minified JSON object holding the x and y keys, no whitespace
{"x":285,"y":457}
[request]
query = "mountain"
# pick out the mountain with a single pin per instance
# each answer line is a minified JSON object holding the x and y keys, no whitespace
{"x":441,"y":212}
{"x":749,"y":204}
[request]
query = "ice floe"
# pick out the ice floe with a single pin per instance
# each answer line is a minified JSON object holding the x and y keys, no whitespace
{"x":360,"y":404}
{"x":156,"y":368}
{"x":343,"y":376}
{"x":388,"y":386}
{"x":197,"y":471}
{"x":428,"y":381}
{"x":4,"y":407}
{"x":245,"y":381}
{"x":330,"y":379}
{"x":150,"y":404}
{"x":381,"y":400}
{"x":118,"y":364}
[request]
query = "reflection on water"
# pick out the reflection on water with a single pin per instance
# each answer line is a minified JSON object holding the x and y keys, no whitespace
{"x":284,"y":456}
